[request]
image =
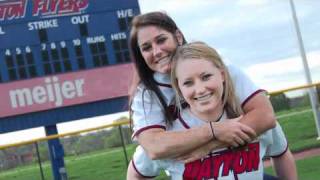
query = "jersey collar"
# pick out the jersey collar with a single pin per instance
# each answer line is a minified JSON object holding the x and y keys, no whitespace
{"x":162,"y":79}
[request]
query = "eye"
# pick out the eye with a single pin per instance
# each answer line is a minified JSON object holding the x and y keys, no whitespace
{"x":187,"y":83}
{"x":146,"y":48}
{"x":206,"y":77}
{"x":161,"y":40}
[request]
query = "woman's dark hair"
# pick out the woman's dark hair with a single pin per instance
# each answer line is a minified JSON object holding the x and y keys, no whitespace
{"x":160,"y":20}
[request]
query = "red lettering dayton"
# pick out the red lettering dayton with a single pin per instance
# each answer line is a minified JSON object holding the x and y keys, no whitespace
{"x":223,"y":163}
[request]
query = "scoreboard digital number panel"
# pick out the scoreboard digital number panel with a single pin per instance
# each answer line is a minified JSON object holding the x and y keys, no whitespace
{"x":57,"y":53}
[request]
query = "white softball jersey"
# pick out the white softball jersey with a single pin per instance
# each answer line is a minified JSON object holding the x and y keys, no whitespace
{"x":224,"y":164}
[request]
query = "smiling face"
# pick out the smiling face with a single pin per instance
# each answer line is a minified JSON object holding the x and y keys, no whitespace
{"x":156,"y":46}
{"x":201,"y":85}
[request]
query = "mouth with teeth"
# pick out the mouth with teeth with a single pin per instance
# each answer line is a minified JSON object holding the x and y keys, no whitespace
{"x":163,"y":60}
{"x":204,"y":97}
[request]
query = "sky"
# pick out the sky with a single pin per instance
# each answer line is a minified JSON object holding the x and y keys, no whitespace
{"x":256,"y":35}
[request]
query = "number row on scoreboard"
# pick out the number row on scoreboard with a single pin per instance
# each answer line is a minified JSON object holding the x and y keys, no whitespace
{"x":58,"y":57}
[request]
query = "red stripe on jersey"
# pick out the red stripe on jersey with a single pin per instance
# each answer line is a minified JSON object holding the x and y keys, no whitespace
{"x":251,"y":96}
{"x":278,"y":155}
{"x":146,"y":128}
{"x":135,"y":168}
{"x":183,"y":122}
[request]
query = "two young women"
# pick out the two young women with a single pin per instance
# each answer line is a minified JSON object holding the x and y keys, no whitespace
{"x":154,"y":38}
{"x":208,"y":90}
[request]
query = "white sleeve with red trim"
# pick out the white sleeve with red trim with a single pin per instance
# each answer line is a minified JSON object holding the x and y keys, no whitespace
{"x":147,"y":111}
{"x":279,"y":143}
{"x":143,"y":165}
{"x":244,"y":86}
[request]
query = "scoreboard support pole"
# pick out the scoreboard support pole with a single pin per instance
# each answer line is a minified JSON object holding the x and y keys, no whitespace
{"x":56,"y":154}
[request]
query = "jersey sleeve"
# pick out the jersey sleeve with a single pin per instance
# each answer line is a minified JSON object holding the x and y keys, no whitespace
{"x":146,"y":111}
{"x":279,"y":143}
{"x":245,"y":88}
{"x":143,"y":165}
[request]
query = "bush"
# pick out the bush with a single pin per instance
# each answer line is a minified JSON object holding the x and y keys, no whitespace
{"x":280,"y":102}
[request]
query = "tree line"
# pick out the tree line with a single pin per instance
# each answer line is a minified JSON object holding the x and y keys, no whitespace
{"x":73,"y":146}
{"x":281,"y":102}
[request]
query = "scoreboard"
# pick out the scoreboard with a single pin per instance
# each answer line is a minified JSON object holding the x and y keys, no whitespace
{"x":62,"y":53}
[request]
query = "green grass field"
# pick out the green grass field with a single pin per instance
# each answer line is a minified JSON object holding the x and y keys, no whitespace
{"x":110,"y":164}
{"x":300,"y":130}
{"x":308,"y":169}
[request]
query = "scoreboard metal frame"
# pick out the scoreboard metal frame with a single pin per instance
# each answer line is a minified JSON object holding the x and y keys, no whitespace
{"x":62,"y":60}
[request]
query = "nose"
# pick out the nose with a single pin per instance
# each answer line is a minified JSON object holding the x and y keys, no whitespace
{"x":199,"y":88}
{"x":157,"y":51}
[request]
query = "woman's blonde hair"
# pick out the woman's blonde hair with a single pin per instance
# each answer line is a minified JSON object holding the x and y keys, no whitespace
{"x":201,"y":51}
